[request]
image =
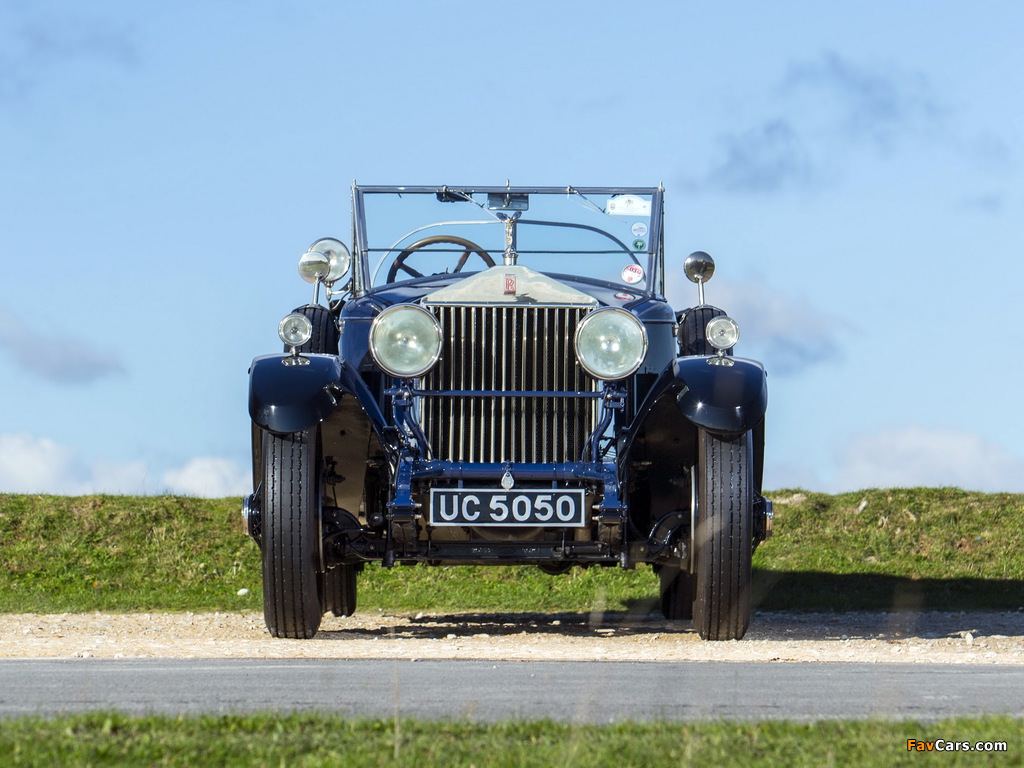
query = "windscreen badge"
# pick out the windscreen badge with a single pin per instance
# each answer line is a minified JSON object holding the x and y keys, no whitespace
{"x":633,"y":274}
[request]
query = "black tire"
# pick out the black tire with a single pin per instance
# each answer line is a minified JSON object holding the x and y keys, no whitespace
{"x":723,"y":546}
{"x":291,"y":534}
{"x":338,"y":585}
{"x":325,"y":331}
{"x":338,"y":590}
{"x":676,"y":593}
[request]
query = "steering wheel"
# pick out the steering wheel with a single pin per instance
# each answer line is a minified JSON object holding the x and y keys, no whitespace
{"x":469,"y":246}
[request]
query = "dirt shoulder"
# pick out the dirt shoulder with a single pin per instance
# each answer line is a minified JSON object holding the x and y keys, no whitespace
{"x":956,"y":638}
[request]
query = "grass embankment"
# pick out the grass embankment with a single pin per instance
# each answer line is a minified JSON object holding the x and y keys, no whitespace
{"x":873,"y":550}
{"x":918,"y":548}
{"x":310,"y":740}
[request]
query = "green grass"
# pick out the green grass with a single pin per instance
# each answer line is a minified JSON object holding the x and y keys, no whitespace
{"x":915,"y":548}
{"x":121,"y":553}
{"x":322,"y":740}
{"x":871,"y":550}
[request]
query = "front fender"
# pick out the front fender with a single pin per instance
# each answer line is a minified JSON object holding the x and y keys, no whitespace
{"x":289,"y":398}
{"x":729,"y":399}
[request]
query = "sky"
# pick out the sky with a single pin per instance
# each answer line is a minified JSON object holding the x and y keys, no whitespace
{"x":855,"y":170}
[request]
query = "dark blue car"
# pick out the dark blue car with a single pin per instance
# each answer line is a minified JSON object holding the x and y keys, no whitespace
{"x":493,"y":375}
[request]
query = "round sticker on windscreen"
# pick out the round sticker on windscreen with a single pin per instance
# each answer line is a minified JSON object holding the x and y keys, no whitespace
{"x":632,"y":274}
{"x":639,"y":229}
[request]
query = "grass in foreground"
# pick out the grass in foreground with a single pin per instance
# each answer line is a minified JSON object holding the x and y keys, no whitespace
{"x":871,"y":550}
{"x":321,"y":740}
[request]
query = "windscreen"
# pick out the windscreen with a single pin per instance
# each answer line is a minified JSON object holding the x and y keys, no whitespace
{"x":605,"y":236}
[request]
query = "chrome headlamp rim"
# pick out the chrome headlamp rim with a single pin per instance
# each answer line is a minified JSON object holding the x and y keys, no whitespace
{"x":377,"y":352}
{"x":295,"y":329}
{"x":339,"y":258}
{"x":722,"y":332}
{"x":635,"y":361}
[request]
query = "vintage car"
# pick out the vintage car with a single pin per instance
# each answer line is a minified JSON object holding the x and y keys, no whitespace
{"x":493,"y":375}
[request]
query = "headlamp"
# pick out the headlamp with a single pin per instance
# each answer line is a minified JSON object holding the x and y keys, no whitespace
{"x":327,"y":261}
{"x":295,"y":329}
{"x":722,"y":332}
{"x":405,"y":340}
{"x":611,"y":343}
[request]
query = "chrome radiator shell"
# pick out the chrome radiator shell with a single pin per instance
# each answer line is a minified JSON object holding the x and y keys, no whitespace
{"x":508,"y":348}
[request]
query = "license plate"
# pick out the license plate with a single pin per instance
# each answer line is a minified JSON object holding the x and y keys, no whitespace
{"x":551,"y":508}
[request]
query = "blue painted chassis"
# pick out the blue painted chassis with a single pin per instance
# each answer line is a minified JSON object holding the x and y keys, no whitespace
{"x":726,"y":396}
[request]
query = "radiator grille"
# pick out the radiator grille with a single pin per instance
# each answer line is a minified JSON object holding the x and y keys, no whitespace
{"x":506,"y":348}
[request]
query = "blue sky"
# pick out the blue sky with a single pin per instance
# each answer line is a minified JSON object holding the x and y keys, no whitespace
{"x":855,"y":169}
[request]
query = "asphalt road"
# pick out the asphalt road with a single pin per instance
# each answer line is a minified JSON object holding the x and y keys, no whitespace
{"x":592,"y":692}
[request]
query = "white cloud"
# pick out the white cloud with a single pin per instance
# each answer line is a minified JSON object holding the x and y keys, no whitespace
{"x":767,"y":158}
{"x":37,"y":465}
{"x":919,"y":456}
{"x":787,"y":334}
{"x":58,"y":357}
{"x":779,"y":475}
{"x":790,"y":334}
{"x":30,"y":464}
{"x":824,"y":114}
{"x":36,"y":43}
{"x":118,"y":478}
{"x":879,"y":104}
{"x":209,"y":477}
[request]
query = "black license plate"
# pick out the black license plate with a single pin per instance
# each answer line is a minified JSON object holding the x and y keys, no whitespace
{"x":550,"y":508}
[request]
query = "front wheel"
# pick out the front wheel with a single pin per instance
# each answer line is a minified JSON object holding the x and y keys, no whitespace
{"x":338,"y":590}
{"x":723,"y":552}
{"x":676,"y":593}
{"x":291,"y":534}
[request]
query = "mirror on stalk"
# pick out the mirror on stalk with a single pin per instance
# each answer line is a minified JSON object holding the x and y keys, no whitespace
{"x":699,"y":267}
{"x":314,"y":266}
{"x":339,"y":258}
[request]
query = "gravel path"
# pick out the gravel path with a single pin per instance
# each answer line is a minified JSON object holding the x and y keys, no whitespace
{"x":957,"y":638}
